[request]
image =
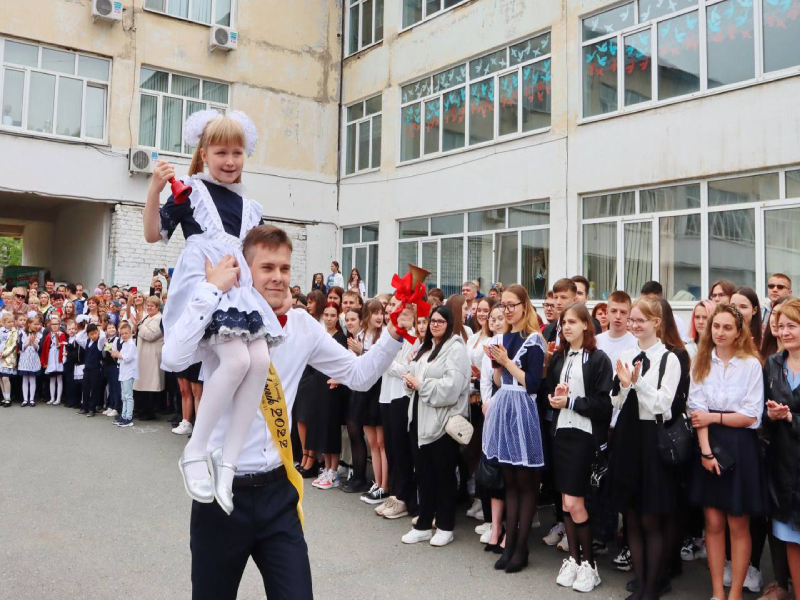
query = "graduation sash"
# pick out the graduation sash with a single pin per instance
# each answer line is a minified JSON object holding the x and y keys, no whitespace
{"x":273,"y":407}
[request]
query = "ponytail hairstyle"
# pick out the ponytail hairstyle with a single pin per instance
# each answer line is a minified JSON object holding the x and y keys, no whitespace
{"x":220,"y":131}
{"x":743,"y":346}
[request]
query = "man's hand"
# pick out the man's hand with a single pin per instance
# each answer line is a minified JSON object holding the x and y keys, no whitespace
{"x":225,"y":275}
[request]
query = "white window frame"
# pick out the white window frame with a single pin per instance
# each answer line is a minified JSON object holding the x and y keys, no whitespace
{"x":365,"y":118}
{"x":348,"y":25}
{"x":212,"y":23}
{"x":224,"y":108}
{"x":466,"y":234}
{"x":427,"y":17}
{"x":468,"y":82}
{"x":354,"y":247}
{"x":87,"y":82}
{"x":652,"y":25}
{"x":704,"y":210}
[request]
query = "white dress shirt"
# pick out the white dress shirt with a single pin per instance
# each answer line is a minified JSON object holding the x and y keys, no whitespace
{"x":652,"y":400}
{"x":614,"y":347}
{"x":392,"y":385}
{"x":129,"y":363}
{"x":572,"y":373}
{"x":737,"y":388}
{"x":306,"y":344}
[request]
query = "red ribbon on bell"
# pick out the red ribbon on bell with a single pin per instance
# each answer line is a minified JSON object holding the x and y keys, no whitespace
{"x":410,"y":290}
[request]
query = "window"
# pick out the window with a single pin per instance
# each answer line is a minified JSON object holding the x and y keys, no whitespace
{"x":360,"y":251}
{"x":509,"y":244}
{"x":53,"y":92}
{"x":208,"y":12}
{"x":688,"y":235}
{"x":501,"y":95}
{"x":364,"y":23}
{"x":415,"y":11}
{"x":720,"y":34}
{"x":167,"y":99}
{"x":363,"y":136}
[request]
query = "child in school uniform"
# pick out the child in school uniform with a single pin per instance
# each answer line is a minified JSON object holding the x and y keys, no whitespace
{"x":29,"y":362}
{"x":92,"y":340}
{"x":127,"y":357}
{"x":8,"y":354}
{"x":73,"y":356}
{"x":52,"y":357}
{"x":111,"y":371}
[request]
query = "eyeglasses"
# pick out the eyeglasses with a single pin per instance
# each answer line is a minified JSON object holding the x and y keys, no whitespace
{"x":549,"y":305}
{"x":776,"y":286}
{"x":437,"y":322}
{"x":637,"y":322}
{"x":718,"y":295}
{"x":509,"y":307}
{"x":23,"y":296}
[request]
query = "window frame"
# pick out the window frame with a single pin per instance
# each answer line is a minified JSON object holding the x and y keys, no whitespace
{"x":354,"y":246}
{"x":365,"y":118}
{"x":213,"y":23}
{"x":432,"y":96}
{"x":86,"y":83}
{"x":759,"y":208}
{"x":160,"y":102}
{"x":348,"y":5}
{"x":426,"y":17}
{"x":651,"y":25}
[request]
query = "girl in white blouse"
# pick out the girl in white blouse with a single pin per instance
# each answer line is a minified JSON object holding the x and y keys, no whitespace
{"x":642,"y":487}
{"x":726,"y":398}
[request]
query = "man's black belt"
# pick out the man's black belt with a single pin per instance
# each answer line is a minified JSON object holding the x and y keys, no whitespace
{"x":253,"y":480}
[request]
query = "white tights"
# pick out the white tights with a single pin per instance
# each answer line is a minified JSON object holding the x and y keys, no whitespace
{"x":5,"y":384}
{"x":28,"y":387}
{"x":56,"y":387}
{"x":239,"y":378}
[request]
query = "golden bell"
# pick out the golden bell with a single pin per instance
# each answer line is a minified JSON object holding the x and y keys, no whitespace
{"x":418,"y":274}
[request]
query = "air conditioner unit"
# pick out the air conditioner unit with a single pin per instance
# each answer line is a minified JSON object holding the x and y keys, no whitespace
{"x":107,"y":10}
{"x":141,"y":160}
{"x":223,"y":38}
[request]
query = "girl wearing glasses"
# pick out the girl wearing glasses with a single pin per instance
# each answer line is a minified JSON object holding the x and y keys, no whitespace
{"x":512,"y":434}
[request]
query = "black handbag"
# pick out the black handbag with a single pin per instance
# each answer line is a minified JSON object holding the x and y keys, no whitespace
{"x":674,"y":440}
{"x":599,"y":468}
{"x":488,"y":475}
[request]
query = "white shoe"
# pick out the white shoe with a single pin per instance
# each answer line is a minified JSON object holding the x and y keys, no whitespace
{"x":588,"y":578}
{"x":51,"y":401}
{"x":113,"y":413}
{"x":479,"y":515}
{"x":483,"y":528}
{"x":57,"y":402}
{"x":752,"y":581}
{"x":568,"y":573}
{"x":486,"y":536}
{"x":415,"y":535}
{"x":473,"y":510}
{"x":388,"y":503}
{"x":183,"y":428}
{"x":563,"y":545}
{"x":104,"y":413}
{"x":557,"y":532}
{"x":536,"y":523}
{"x":323,"y":476}
{"x":442,"y":538}
{"x":727,"y":574}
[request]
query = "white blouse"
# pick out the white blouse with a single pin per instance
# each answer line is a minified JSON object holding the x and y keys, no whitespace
{"x":652,"y":400}
{"x":475,"y":345}
{"x":737,"y":388}
{"x":572,"y":373}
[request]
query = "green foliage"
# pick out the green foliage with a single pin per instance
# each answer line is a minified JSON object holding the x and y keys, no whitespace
{"x":10,"y":251}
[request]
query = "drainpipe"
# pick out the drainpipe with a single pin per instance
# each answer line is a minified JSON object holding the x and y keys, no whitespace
{"x":339,"y":116}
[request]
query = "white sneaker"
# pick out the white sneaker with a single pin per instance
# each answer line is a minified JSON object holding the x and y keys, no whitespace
{"x":442,"y":538}
{"x":486,"y":536}
{"x":104,"y":413}
{"x":415,"y":535}
{"x":568,"y":573}
{"x":536,"y":523}
{"x":183,"y":428}
{"x":483,"y":528}
{"x":479,"y":515}
{"x":473,"y":510}
{"x":563,"y":545}
{"x":388,"y":503}
{"x":727,"y":574}
{"x":557,"y":532}
{"x":588,"y":578}
{"x":323,"y":475}
{"x":752,"y":581}
{"x":57,"y":402}
{"x":51,"y":402}
{"x":113,"y":413}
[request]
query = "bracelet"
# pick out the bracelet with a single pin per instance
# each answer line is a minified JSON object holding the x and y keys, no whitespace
{"x":708,"y":456}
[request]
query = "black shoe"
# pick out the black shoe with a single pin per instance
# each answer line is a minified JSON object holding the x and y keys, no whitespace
{"x":82,"y":412}
{"x":501,"y":564}
{"x":354,"y":486}
{"x":631,"y":586}
{"x":91,"y":413}
{"x":515,"y":566}
{"x":309,"y":473}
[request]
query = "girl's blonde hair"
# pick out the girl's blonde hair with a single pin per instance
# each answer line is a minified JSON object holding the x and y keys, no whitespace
{"x":743,"y":347}
{"x":529,"y":315}
{"x":650,"y":308}
{"x":220,"y":131}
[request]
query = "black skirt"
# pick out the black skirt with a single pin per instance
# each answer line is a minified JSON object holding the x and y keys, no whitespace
{"x":365,"y":408}
{"x":573,"y":454}
{"x":192,"y":373}
{"x":324,"y":433}
{"x":307,"y":400}
{"x":739,"y":491}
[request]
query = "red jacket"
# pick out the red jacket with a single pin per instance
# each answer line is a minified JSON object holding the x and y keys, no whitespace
{"x":45,"y":351}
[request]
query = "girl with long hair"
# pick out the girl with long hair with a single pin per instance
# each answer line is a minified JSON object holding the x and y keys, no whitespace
{"x":456,"y":304}
{"x":726,"y":398}
{"x":355,"y":283}
{"x":316,"y":303}
{"x":746,"y":300}
{"x":511,"y":433}
{"x":335,"y":295}
{"x":318,"y":282}
{"x":700,"y":314}
{"x":771,"y":342}
{"x":357,"y":481}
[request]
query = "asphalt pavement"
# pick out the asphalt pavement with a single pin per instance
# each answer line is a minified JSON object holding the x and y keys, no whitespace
{"x":91,"y":511}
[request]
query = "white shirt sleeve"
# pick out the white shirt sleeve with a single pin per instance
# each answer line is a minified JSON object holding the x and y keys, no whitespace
{"x":128,"y":352}
{"x":181,"y":341}
{"x":659,"y":401}
{"x":697,"y":396}
{"x":753,"y":401}
{"x":486,"y":379}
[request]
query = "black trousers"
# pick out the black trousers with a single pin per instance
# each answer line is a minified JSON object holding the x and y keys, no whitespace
{"x":264,"y":524}
{"x":436,"y":472}
{"x":69,"y":394}
{"x":398,"y":452}
{"x":93,"y":389}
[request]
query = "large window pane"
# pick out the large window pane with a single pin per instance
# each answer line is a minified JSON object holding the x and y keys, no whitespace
{"x":406,"y":255}
{"x":355,"y":112}
{"x":363,"y":145}
{"x":432,"y":6}
{"x":21,"y":54}
{"x":378,"y":20}
{"x":372,"y":289}
{"x":70,"y":105}
{"x":347,"y":260}
{"x":147,"y":120}
{"x":432,"y":126}
{"x":781,"y":32}
{"x":215,"y":92}
{"x":529,"y":215}
{"x":652,"y":9}
{"x":94,"y":68}
{"x":638,"y":256}
{"x":353,"y":40}
{"x":376,"y":141}
{"x":178,"y":8}
{"x":373,"y":105}
{"x":430,"y":256}
{"x":223,"y":16}
{"x":485,"y":220}
{"x":13,"y":87}
{"x":350,"y":150}
{"x":481,"y":112}
{"x":416,"y":90}
{"x":608,"y":205}
{"x":536,"y":91}
{"x":754,"y":188}
{"x":412,"y":12}
{"x":41,"y":97}
{"x":600,"y":78}
{"x":369,"y":233}
{"x":414,"y":228}
{"x":351,"y":235}
{"x":638,"y":67}
{"x":411,"y":129}
{"x":171,"y":122}
{"x":608,"y":22}
{"x":454,"y":111}
{"x":361,"y":262}
{"x":479,"y":260}
{"x":535,"y":260}
{"x":496,"y":61}
{"x":185,"y":86}
{"x":201,"y":11}
{"x":366,"y":23}
{"x":158,"y":81}
{"x":529,"y":49}
{"x":679,"y":251}
{"x":447,"y":224}
{"x":731,"y":53}
{"x":450,"y":78}
{"x":600,"y":259}
{"x":793,"y":184}
{"x":676,"y":197}
{"x":732,"y":246}
{"x":782,"y":235}
{"x":509,"y":103}
{"x":58,"y":60}
{"x":678,"y":56}
{"x":506,"y":259}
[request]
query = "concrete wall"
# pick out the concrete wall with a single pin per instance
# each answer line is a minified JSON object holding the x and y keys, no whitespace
{"x":37,"y":244}
{"x":81,"y":232}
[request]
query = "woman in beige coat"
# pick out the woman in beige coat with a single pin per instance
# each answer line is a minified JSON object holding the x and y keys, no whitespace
{"x":149,"y":341}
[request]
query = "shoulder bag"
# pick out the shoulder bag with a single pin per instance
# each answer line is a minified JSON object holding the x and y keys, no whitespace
{"x":675,"y":440}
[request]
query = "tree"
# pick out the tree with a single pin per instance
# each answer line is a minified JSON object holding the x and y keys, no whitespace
{"x":10,"y":251}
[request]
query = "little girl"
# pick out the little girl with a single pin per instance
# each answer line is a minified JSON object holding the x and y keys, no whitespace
{"x":215,"y":219}
{"x":29,"y":361}
{"x":52,"y":356}
{"x":8,"y":359}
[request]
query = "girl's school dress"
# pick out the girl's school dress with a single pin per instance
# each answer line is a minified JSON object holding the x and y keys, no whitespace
{"x":8,"y":350}
{"x":365,"y":408}
{"x":30,"y":363}
{"x":52,"y":353}
{"x":215,"y":220}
